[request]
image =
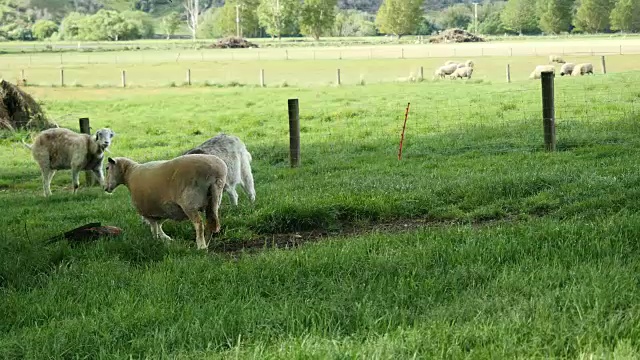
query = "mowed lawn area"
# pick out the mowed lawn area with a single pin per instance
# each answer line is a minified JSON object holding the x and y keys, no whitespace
{"x":477,"y":244}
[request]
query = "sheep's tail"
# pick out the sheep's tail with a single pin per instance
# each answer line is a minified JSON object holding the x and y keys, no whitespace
{"x":214,"y":198}
{"x":28,"y":146}
{"x":247,"y":176}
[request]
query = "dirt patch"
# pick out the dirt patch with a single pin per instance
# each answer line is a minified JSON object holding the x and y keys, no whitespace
{"x":455,"y":36}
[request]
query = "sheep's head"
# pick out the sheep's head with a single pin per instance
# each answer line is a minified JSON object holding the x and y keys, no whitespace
{"x":103,"y":138}
{"x":115,"y":175}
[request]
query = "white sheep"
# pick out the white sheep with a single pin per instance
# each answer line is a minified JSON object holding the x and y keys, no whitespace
{"x":567,"y":69}
{"x":235,"y":155}
{"x":176,"y":189}
{"x":556,"y":58}
{"x":581,"y":69}
{"x":450,"y":62}
{"x":469,"y":63}
{"x":535,"y":74}
{"x":442,"y":71}
{"x":62,"y":149}
{"x":462,"y":73}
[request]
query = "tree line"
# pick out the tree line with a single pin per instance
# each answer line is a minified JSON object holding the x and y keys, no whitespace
{"x":128,"y":19}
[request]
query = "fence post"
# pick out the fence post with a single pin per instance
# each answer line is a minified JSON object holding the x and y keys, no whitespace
{"x":261,"y":77}
{"x":85,"y":128}
{"x":294,"y":132}
{"x":421,"y":73}
{"x":620,"y":49}
{"x":338,"y":77}
{"x":508,"y":73}
{"x":548,"y":110}
{"x":286,"y":54}
{"x":188,"y":76}
{"x":124,"y":78}
{"x":604,"y":65}
{"x":22,"y":78}
{"x":61,"y":77}
{"x":402,"y":54}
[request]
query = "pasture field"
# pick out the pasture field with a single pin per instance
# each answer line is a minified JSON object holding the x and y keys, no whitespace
{"x":306,"y":66}
{"x":477,"y":244}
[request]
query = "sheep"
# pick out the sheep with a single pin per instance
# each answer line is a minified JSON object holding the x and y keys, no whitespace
{"x":469,"y":63}
{"x":566,"y":69}
{"x":462,"y":72}
{"x":238,"y":160}
{"x":581,"y":69}
{"x":445,"y":70}
{"x":556,"y":58}
{"x":176,"y":189}
{"x":450,"y":62}
{"x":62,"y":149}
{"x":535,"y":74}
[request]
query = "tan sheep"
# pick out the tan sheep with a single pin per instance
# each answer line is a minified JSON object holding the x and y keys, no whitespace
{"x":176,"y":189}
{"x":462,"y":73}
{"x":567,"y":69}
{"x":535,"y":74}
{"x":556,"y":58}
{"x":581,"y":69}
{"x":62,"y":149}
{"x":442,"y":71}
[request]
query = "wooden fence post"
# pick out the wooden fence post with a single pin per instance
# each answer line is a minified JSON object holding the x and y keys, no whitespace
{"x":85,"y":128}
{"x":124,"y":78}
{"x":548,"y":110}
{"x":508,"y":73}
{"x":262,"y":78}
{"x":61,"y":77}
{"x":604,"y":65}
{"x":294,"y":132}
{"x":421,"y":72}
{"x":189,"y":77}
{"x":338,"y":77}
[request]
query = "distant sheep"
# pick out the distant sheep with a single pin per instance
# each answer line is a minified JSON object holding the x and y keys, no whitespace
{"x":566,"y":69}
{"x":462,"y":73}
{"x":235,"y":155}
{"x":450,"y":62}
{"x":581,"y":69}
{"x":535,"y":74}
{"x":442,"y":71}
{"x":62,"y":149}
{"x":556,"y":58}
{"x":176,"y":189}
{"x":469,"y":63}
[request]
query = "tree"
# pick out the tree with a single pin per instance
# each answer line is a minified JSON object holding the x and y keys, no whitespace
{"x":318,"y":17}
{"x":399,"y":17}
{"x":70,"y":26}
{"x":456,"y":16}
{"x":279,"y":17}
{"x":222,"y":21}
{"x":625,"y":16}
{"x":142,"y":22}
{"x":555,"y":15}
{"x":43,"y":29}
{"x":170,"y":23}
{"x":593,"y":15}
{"x":192,"y":8}
{"x":354,"y":23}
{"x":520,"y":16}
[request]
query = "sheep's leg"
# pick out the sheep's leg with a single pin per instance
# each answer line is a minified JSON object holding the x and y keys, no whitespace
{"x":98,"y":175}
{"x":247,"y":183}
{"x":75,"y":179}
{"x":156,"y":229}
{"x":161,"y":233}
{"x":47,"y":176}
{"x":195,"y":218}
{"x":233,"y":194}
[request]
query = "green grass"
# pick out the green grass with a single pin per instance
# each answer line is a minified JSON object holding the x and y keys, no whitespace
{"x":506,"y":251}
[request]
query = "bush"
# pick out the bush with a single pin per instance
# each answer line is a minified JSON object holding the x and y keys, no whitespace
{"x":43,"y":29}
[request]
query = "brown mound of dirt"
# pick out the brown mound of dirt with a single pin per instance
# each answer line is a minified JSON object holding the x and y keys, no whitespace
{"x":18,"y":110}
{"x":233,"y":42}
{"x":455,"y":36}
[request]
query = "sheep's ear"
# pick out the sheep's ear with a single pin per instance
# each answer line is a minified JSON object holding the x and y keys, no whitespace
{"x":111,"y":161}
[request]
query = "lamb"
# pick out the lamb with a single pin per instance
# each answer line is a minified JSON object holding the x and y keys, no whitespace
{"x":556,"y":58}
{"x":234,"y":153}
{"x":62,"y":149}
{"x":445,"y":70}
{"x":176,"y":189}
{"x":566,"y":69}
{"x":581,"y":69}
{"x":535,"y":74}
{"x":462,"y":73}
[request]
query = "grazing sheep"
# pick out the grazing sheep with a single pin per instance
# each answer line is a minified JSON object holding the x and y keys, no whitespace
{"x":176,"y":189}
{"x":581,"y":69}
{"x":451,"y":63}
{"x":462,"y":73}
{"x":469,"y":63}
{"x":235,"y":155}
{"x":535,"y":74}
{"x":566,"y":69}
{"x":62,"y":149}
{"x":445,"y":70}
{"x":556,"y":58}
